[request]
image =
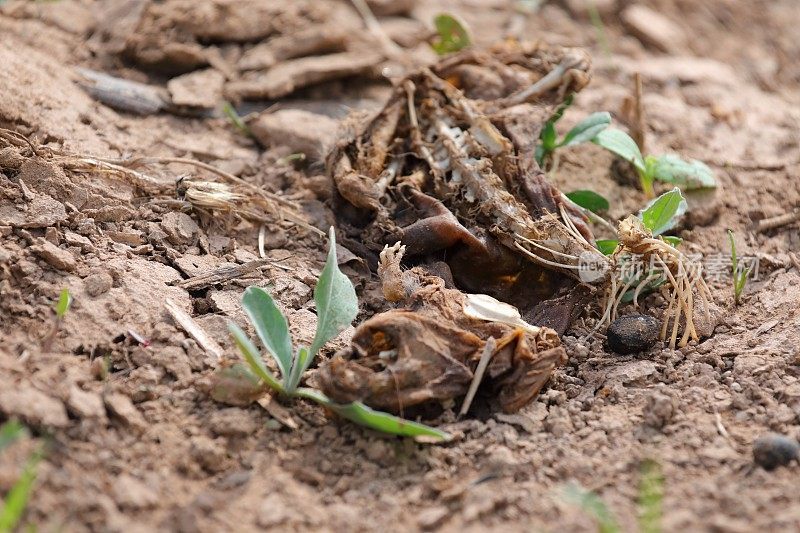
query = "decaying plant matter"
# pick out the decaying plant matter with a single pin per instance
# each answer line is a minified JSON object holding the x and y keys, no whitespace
{"x":430,"y":349}
{"x":447,"y":168}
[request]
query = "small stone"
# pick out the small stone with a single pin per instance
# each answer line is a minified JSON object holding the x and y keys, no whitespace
{"x":201,"y":88}
{"x":98,"y":283}
{"x":85,"y":404}
{"x":273,"y":511}
{"x":773,"y":450}
{"x":632,"y":334}
{"x":432,"y":518}
{"x":654,"y":29}
{"x":54,"y":256}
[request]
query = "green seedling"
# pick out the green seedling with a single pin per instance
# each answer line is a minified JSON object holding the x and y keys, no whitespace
{"x":649,"y":502}
{"x":651,"y":496}
{"x":337,"y":307}
{"x":61,"y":307}
{"x":668,"y":168}
{"x":451,"y":34}
{"x":658,"y":216}
{"x":739,"y":274}
{"x":16,"y":500}
{"x":235,"y":119}
{"x":591,"y":504}
{"x":584,"y":131}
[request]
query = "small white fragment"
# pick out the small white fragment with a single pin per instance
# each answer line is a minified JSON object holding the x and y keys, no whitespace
{"x":484,"y":307}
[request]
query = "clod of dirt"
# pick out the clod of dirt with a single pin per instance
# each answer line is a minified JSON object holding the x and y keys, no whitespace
{"x":10,"y":158}
{"x":654,"y":29}
{"x":313,"y":40}
{"x":773,"y":450}
{"x":200,"y":89}
{"x":54,"y":256}
{"x":659,"y":408}
{"x":122,"y":407}
{"x":632,"y":334}
{"x":98,"y":283}
{"x":85,"y":404}
{"x":302,"y":131}
{"x":235,"y":385}
{"x":180,"y":228}
{"x":288,"y":76}
{"x":33,"y":407}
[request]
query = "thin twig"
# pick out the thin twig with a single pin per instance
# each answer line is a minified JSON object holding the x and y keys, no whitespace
{"x":778,"y":221}
{"x":486,"y":356}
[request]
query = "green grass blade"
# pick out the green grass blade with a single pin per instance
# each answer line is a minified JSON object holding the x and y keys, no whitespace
{"x":621,"y":144}
{"x":64,"y":301}
{"x":337,"y":303}
{"x":10,"y":432}
{"x":270,"y":325}
{"x":17,"y":498}
{"x":384,"y":422}
{"x":662,"y":213}
{"x":589,"y":200}
{"x":651,"y":495}
{"x":587,"y":129}
{"x":253,"y":357}
{"x":235,"y":119}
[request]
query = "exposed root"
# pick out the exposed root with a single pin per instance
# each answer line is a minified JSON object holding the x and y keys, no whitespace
{"x":683,"y":281}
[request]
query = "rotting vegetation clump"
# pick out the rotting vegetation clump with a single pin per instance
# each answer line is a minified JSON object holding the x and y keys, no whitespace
{"x":448,"y":169}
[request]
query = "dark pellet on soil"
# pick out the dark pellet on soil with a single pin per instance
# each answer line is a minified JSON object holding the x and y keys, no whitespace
{"x":773,"y":450}
{"x":632,"y":333}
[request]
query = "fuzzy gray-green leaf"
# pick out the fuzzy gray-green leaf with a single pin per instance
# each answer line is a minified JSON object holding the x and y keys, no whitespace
{"x":253,"y":357}
{"x":621,"y":144}
{"x":687,"y":175}
{"x":337,"y":303}
{"x":587,"y":129}
{"x":270,"y":325}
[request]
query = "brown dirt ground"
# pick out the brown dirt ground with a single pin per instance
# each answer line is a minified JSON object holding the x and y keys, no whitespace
{"x":146,"y":449}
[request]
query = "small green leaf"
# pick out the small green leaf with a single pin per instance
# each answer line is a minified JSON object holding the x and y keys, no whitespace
{"x":17,"y":498}
{"x":672,"y":240}
{"x":337,"y":303}
{"x":64,"y":301}
{"x":606,"y":246}
{"x":270,"y":325}
{"x":253,"y":357}
{"x":301,"y":362}
{"x":687,"y":175}
{"x":365,"y":416}
{"x":587,"y":129}
{"x":620,"y":143}
{"x":11,"y":431}
{"x":662,"y":213}
{"x":452,"y":34}
{"x":589,"y":200}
